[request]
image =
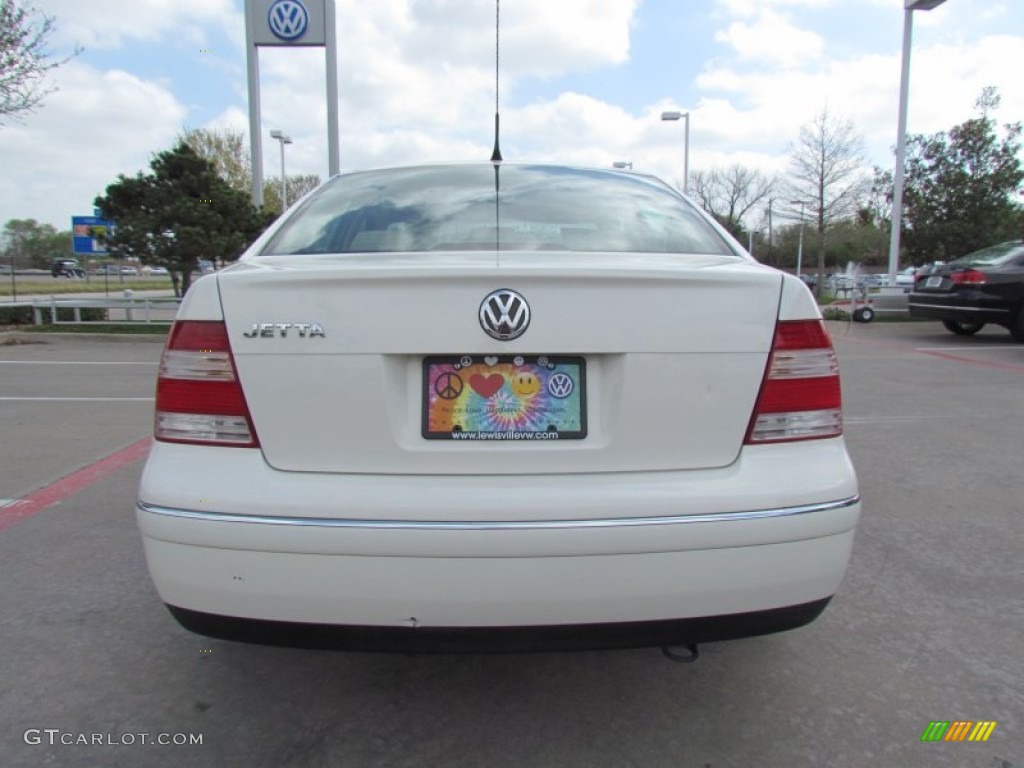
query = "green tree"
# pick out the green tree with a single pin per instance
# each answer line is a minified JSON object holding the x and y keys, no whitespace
{"x":962,"y":187}
{"x":24,"y":60}
{"x":856,"y":240}
{"x":179,"y":213}
{"x":33,"y":245}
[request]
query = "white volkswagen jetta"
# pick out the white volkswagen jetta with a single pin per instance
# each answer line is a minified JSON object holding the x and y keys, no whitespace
{"x":497,"y":407}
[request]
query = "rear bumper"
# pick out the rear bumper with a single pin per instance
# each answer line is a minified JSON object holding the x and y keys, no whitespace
{"x":655,"y":598}
{"x":245,"y":552}
{"x":969,"y":309}
{"x":499,"y":639}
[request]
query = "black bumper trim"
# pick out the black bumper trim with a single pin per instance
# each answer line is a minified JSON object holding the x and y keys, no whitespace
{"x":575,"y":637}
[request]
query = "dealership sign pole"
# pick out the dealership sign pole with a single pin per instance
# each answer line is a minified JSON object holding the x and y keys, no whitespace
{"x":289,"y":23}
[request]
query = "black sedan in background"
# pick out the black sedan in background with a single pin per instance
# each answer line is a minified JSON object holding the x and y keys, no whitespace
{"x":66,"y":268}
{"x":983,"y":287}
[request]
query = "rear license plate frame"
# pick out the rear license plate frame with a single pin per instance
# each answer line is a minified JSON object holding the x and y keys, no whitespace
{"x":539,"y":398}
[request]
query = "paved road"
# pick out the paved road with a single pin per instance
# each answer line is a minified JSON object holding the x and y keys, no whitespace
{"x":927,"y":625}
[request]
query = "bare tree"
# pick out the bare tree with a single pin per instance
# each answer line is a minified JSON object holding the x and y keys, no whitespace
{"x":827,"y":174}
{"x":730,"y":194}
{"x":24,"y":61}
{"x":297,"y":186}
{"x":227,"y":150}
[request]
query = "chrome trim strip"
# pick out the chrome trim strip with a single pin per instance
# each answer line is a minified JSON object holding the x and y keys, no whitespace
{"x":507,"y":525}
{"x":956,"y":308}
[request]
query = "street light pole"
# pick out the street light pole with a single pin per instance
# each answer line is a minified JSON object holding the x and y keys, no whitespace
{"x":677,"y":115}
{"x":10,"y":254}
{"x":909,"y":6}
{"x":800,"y":242}
{"x":283,"y":139}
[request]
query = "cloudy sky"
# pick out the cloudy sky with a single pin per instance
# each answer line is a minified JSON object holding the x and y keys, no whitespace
{"x":582,"y":81}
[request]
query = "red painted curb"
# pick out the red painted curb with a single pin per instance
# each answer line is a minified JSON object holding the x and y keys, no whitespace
{"x":904,"y":347}
{"x":973,"y":361}
{"x":58,"y":491}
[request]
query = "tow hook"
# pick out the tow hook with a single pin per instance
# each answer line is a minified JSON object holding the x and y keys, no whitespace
{"x":672,"y":652}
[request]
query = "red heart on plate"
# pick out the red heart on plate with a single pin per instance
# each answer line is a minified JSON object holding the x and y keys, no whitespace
{"x":485,"y":386}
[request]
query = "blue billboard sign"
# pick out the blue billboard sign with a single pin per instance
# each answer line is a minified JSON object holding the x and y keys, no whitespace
{"x":86,"y":232}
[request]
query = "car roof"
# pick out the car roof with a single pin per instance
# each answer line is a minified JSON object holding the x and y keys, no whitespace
{"x":504,"y":164}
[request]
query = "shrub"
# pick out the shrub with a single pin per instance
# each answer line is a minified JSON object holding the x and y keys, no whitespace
{"x":23,"y":315}
{"x":15,"y":315}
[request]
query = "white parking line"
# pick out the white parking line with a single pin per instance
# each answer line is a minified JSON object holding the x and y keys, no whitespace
{"x":966,"y":349}
{"x":77,"y":399}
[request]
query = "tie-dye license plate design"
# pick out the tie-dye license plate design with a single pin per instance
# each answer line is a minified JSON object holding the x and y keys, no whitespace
{"x":504,"y":397}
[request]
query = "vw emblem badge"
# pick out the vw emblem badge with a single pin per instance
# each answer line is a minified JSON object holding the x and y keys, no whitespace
{"x":561,"y":385}
{"x":504,"y":315}
{"x":288,"y":19}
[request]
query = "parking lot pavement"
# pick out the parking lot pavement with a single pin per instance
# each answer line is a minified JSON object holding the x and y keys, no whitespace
{"x":65,"y":403}
{"x":926,"y":627}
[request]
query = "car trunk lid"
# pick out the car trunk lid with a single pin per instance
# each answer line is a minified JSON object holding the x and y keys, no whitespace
{"x":330,"y":354}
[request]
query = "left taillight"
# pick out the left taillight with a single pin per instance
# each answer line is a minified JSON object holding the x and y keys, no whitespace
{"x":198,"y":396}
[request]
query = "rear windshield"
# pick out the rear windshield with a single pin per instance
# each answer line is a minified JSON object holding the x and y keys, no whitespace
{"x":508,"y":208}
{"x":993,"y":256}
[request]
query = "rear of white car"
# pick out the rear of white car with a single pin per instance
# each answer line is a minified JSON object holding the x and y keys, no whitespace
{"x":466,"y":448}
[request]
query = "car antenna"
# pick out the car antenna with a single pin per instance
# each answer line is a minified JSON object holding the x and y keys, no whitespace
{"x":496,"y":155}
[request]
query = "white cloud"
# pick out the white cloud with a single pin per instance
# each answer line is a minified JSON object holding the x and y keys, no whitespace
{"x":773,"y":39}
{"x":780,"y":75}
{"x":100,"y":24}
{"x":747,"y":8}
{"x":538,"y":37}
{"x":945,"y":81}
{"x":97,"y":125}
{"x":419,"y":75}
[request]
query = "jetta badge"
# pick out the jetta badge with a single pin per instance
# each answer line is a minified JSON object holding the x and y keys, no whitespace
{"x":504,"y":315}
{"x":272,"y":330}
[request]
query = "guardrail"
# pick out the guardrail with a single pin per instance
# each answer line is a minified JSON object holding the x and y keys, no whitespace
{"x":127,"y":310}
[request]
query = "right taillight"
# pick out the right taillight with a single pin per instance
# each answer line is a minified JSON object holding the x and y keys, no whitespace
{"x":800,"y":397}
{"x":198,"y":396}
{"x":968,"y":277}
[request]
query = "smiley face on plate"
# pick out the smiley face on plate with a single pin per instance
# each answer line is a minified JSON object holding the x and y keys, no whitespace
{"x":525,"y":384}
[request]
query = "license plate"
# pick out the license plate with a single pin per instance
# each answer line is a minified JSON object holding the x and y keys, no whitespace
{"x":521,"y":398}
{"x":933,"y":282}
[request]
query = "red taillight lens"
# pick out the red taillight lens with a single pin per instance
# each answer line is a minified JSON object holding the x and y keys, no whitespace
{"x":968,"y":277}
{"x":198,"y":397}
{"x":800,"y":397}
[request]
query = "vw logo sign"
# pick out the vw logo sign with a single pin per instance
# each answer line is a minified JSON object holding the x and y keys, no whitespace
{"x":504,"y":315}
{"x":288,"y":19}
